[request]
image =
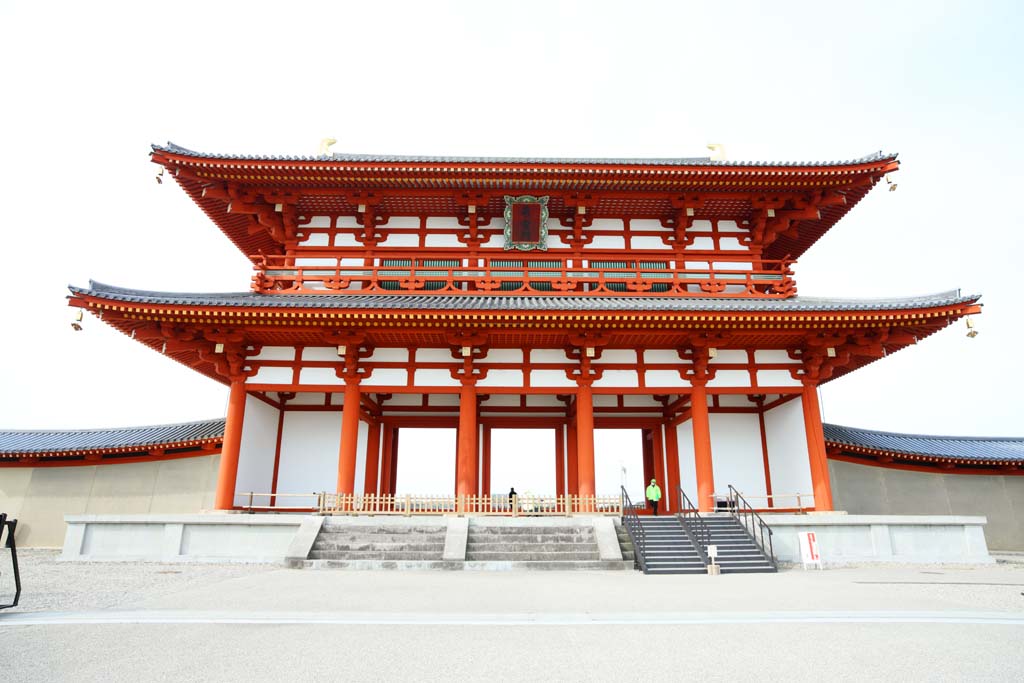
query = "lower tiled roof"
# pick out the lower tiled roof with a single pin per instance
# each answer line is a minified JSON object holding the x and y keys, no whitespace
{"x":472,"y":302}
{"x":27,"y":442}
{"x":972,"y":448}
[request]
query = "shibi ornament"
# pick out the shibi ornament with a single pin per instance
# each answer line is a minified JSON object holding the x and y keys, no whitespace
{"x":526,"y":223}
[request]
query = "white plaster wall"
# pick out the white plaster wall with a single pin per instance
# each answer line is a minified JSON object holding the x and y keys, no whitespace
{"x":318,"y":222}
{"x":702,"y":244}
{"x":550,"y":378}
{"x":616,"y":356}
{"x":730,"y":378}
{"x":309,"y":452}
{"x":443,"y":241}
{"x":664,"y":378}
{"x":275,"y":353}
{"x":384,"y":377}
{"x":687,"y":468}
{"x":348,"y":222}
{"x":607,"y":224}
{"x":389,"y":356}
{"x":787,"y":450}
{"x":401,"y":240}
{"x":772,"y":356}
{"x":434,"y":356}
{"x":504,"y":356}
{"x":502,"y":378}
{"x":346,"y":239}
{"x":607,"y":242}
{"x":407,"y":222}
{"x":434,"y":378}
{"x":361,"y":438}
{"x":319,"y":376}
{"x":618,"y":378}
{"x":256,"y":453}
{"x":661,"y":356}
{"x":315,"y":239}
{"x":776,"y":378}
{"x":729,"y":356}
{"x":736,"y":455}
{"x":271,"y":375}
{"x":321,"y":353}
{"x":648,"y":242}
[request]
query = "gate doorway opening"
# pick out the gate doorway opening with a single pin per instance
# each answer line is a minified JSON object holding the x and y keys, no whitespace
{"x":619,"y":461}
{"x":524,"y":459}
{"x":426,"y":461}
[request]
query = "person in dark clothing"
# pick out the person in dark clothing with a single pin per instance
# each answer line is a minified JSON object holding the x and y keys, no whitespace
{"x":512,"y":497}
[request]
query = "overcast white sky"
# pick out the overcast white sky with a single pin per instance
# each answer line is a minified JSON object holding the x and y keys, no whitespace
{"x":88,"y":86}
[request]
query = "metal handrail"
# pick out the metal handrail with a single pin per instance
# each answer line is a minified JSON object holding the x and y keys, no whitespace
{"x":694,"y":525}
{"x":11,"y":526}
{"x":742,"y":511}
{"x":631,"y":520}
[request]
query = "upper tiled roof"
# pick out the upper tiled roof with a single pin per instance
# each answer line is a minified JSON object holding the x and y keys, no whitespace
{"x":62,"y":441}
{"x":518,"y":302}
{"x":172,"y":148}
{"x":972,"y":448}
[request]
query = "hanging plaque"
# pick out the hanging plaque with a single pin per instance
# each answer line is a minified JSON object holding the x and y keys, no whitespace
{"x":526,"y":223}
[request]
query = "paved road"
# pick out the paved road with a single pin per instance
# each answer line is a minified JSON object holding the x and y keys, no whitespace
{"x":114,"y":622}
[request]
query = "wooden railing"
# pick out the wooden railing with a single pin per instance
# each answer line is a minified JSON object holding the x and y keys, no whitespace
{"x":517,"y":506}
{"x":799,"y":503}
{"x":638,"y":274}
{"x":253,"y":502}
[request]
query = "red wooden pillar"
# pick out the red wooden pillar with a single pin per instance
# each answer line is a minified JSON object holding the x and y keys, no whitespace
{"x":372,"y":458}
{"x":349,"y":437}
{"x":672,"y":473}
{"x":585,"y":439}
{"x":572,"y":462}
{"x":393,"y":476}
{"x":702,"y":446}
{"x":466,"y":458}
{"x":816,"y":448}
{"x":658,"y":455}
{"x":227,"y":474}
{"x":560,"y":461}
{"x":385,"y":460}
{"x":486,"y":474}
{"x":647,"y":452}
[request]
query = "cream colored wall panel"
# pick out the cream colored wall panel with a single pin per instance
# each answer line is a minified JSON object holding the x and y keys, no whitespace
{"x":314,"y":262}
{"x":729,"y":226}
{"x":702,"y":243}
{"x":348,"y":222}
{"x":735,"y":401}
{"x":275,"y":353}
{"x":321,"y":353}
{"x":122,"y":489}
{"x":499,"y":400}
{"x":52,"y":493}
{"x":404,"y":400}
{"x":362,"y":437}
{"x":618,"y":378}
{"x":504,"y":356}
{"x":495,"y":242}
{"x":787,"y":449}
{"x":730,"y":378}
{"x":731,"y":244}
{"x":646,"y":224}
{"x":640,"y":400}
{"x":271,"y":375}
{"x":444,"y":400}
{"x":543,"y":401}
{"x":550,"y":378}
{"x":776,"y":378}
{"x":434,"y":378}
{"x":733,"y":265}
{"x":605,"y":400}
{"x":319,"y":376}
{"x":700,"y":226}
{"x":502,"y":378}
{"x":687,"y":466}
{"x":386,"y":377}
{"x":14,"y":483}
{"x":182,"y":485}
{"x":450,"y":222}
{"x":307,"y":398}
{"x":607,"y":224}
{"x":664,"y":378}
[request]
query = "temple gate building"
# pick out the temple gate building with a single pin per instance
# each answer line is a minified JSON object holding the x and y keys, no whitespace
{"x":561,"y":294}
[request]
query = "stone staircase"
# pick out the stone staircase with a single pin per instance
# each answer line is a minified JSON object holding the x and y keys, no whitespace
{"x":668,"y":549}
{"x":389,"y":546}
{"x":536,"y":547}
{"x":737,"y":552}
{"x":625,"y":543}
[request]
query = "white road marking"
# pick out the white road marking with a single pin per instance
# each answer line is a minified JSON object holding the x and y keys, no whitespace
{"x":515,"y":619}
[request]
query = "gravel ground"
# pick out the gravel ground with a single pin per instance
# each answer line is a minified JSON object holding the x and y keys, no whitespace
{"x":49,"y":584}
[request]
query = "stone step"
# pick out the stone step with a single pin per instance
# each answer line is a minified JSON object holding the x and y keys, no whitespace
{"x":474,"y":546}
{"x":389,"y":540}
{"x":561,"y":556}
{"x":371,"y":555}
{"x":320,"y":544}
{"x":524,"y":538}
{"x":579,"y":565}
{"x":331,"y":528}
{"x":514,"y":530}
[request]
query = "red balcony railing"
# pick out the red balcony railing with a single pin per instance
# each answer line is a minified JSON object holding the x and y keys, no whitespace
{"x":441,"y":273}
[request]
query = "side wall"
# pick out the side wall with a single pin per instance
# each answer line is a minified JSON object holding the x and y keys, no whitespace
{"x":863,"y":489}
{"x":788,"y":461}
{"x":39,"y":497}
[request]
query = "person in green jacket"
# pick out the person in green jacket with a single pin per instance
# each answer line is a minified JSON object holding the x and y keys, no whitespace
{"x":653,"y":496}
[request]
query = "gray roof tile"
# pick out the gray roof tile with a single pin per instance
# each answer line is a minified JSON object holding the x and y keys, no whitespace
{"x":1009,"y":450}
{"x":172,"y":148}
{"x":52,"y":441}
{"x":519,"y":302}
